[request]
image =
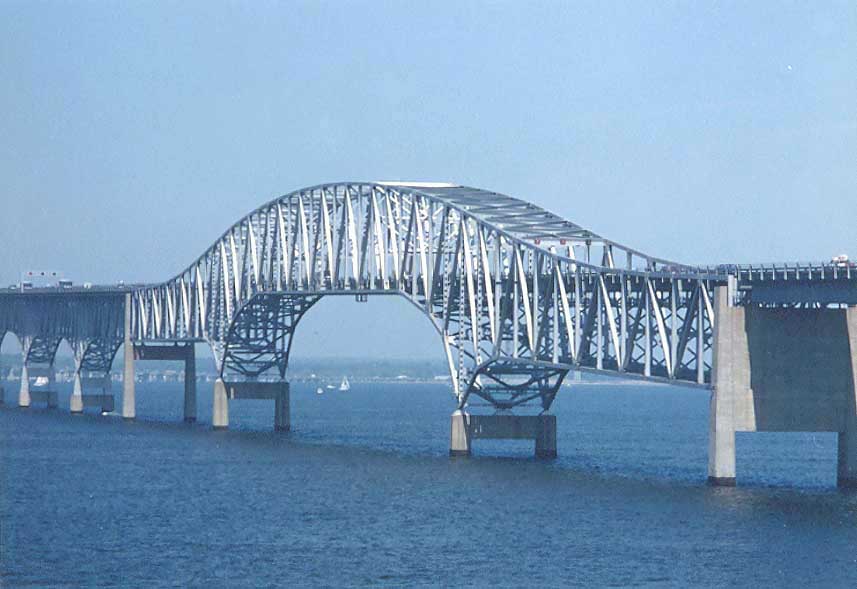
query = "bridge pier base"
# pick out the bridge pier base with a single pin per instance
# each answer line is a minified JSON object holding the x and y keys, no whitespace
{"x":846,"y":470}
{"x":459,"y":438}
{"x":282,"y":413}
{"x":227,"y":391}
{"x":220,"y":408}
{"x":24,"y":392}
{"x":730,"y":382}
{"x":76,"y":399}
{"x":539,"y":428}
{"x":129,"y":400}
{"x":190,"y":385}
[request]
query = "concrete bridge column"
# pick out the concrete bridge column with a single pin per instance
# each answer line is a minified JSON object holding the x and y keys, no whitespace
{"x":220,"y":409}
{"x":24,"y":393}
{"x":847,"y":460}
{"x":190,"y":385}
{"x":546,"y":437}
{"x":459,"y":437}
{"x":129,"y":404}
{"x":76,"y":399}
{"x":282,"y":414}
{"x":731,"y":378}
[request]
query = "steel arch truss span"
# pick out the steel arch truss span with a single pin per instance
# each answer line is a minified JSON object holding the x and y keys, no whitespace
{"x":518,"y":295}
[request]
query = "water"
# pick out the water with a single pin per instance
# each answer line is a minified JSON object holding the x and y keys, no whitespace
{"x":362,"y":492}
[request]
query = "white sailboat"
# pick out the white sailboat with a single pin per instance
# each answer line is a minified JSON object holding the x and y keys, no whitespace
{"x":345,"y":385}
{"x":319,"y":391}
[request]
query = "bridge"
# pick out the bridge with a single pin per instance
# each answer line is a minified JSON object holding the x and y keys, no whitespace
{"x":518,"y":296}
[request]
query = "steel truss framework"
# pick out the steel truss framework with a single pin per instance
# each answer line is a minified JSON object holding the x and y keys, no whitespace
{"x":518,"y":295}
{"x":91,"y":323}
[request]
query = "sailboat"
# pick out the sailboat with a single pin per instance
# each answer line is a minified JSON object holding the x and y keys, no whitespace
{"x":345,"y":385}
{"x":319,"y":391}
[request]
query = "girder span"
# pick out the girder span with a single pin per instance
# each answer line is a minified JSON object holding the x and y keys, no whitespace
{"x":519,"y":295}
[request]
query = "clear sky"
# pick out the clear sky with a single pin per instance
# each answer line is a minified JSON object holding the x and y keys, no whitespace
{"x":133,"y":133}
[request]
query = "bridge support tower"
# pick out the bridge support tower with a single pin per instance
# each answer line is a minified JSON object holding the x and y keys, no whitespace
{"x":847,"y":455}
{"x":176,"y":352}
{"x":129,"y":393}
{"x":780,"y":370}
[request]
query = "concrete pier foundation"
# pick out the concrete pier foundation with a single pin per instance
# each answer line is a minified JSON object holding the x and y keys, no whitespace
{"x":76,"y":399}
{"x":539,"y":428}
{"x":282,"y":415}
{"x":190,"y":385}
{"x":731,"y":379}
{"x":129,"y":402}
{"x":170,"y":352}
{"x":227,"y":391}
{"x":220,"y":408}
{"x":459,"y":437}
{"x":24,"y":392}
{"x":846,"y":469}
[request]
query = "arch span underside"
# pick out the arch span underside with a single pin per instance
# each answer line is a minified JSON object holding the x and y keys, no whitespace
{"x":91,"y":324}
{"x":519,"y":296}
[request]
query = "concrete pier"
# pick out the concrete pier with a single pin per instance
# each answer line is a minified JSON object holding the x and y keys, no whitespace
{"x":282,"y":415}
{"x":847,"y":451}
{"x":129,"y":403}
{"x":190,"y":384}
{"x":730,"y":378}
{"x":782,"y":370}
{"x":24,"y":392}
{"x":168,"y":352}
{"x":220,"y":409}
{"x":272,"y":391}
{"x":465,"y":428}
{"x":459,"y":436}
{"x":76,"y":399}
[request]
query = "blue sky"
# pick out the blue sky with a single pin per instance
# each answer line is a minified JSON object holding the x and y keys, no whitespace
{"x":134,"y":133}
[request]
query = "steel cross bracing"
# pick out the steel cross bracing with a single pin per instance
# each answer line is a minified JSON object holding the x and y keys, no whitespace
{"x":91,"y":323}
{"x":518,"y":295}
